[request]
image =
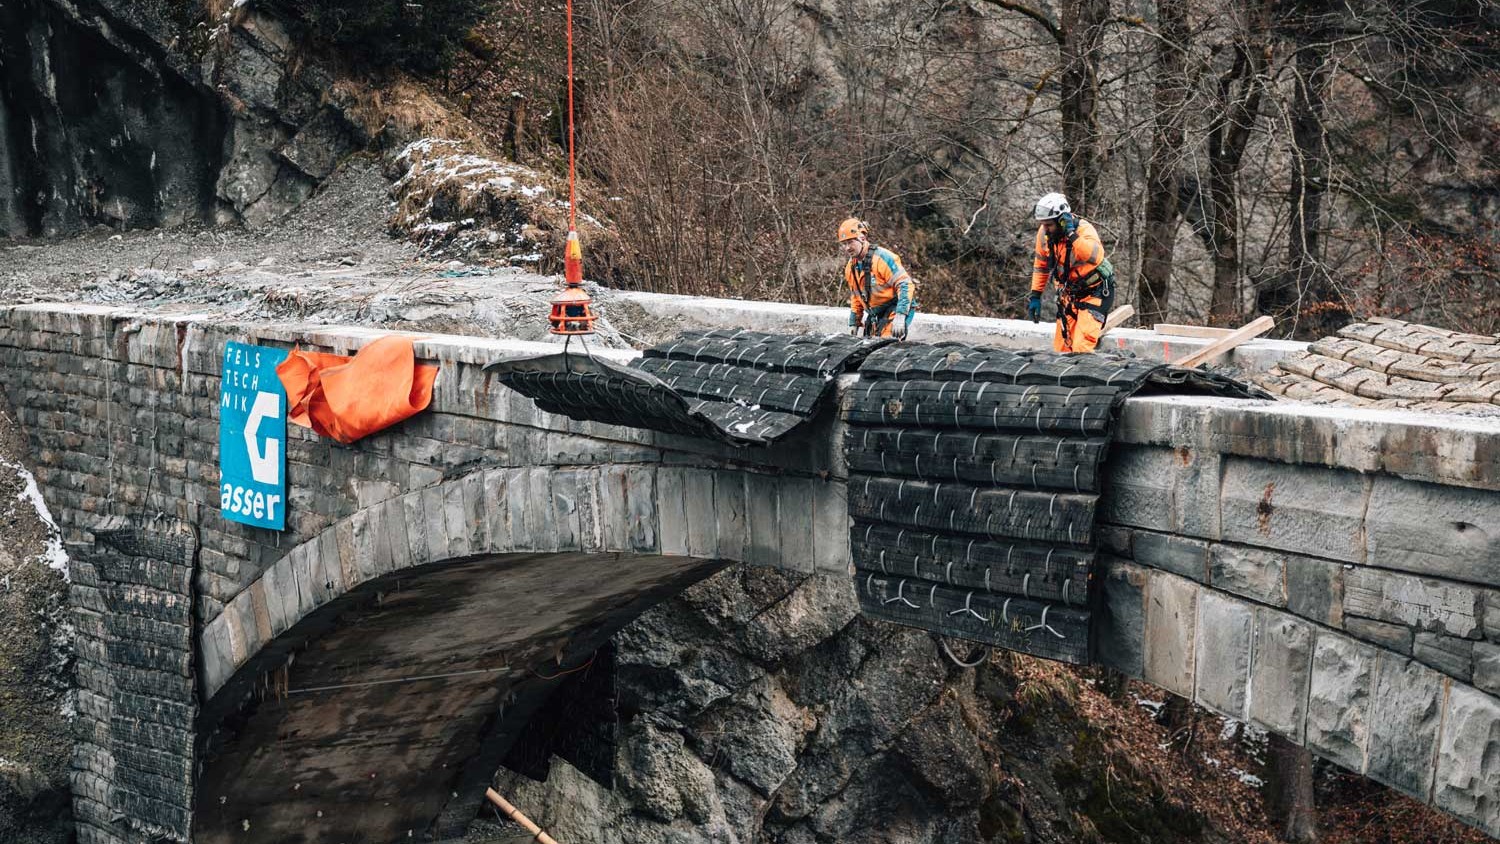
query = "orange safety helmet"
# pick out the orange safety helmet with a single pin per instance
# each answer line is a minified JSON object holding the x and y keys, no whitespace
{"x":852,"y":228}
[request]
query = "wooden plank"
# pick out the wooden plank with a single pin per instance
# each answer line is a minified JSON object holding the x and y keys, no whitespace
{"x":515,"y":814}
{"x":1244,"y":333}
{"x":1117,"y":316}
{"x":1176,"y":330}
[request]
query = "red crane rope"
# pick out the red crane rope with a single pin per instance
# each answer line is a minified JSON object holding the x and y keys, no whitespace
{"x":572,"y":172}
{"x":571,"y":311}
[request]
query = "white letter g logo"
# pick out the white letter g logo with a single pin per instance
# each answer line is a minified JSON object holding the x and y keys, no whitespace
{"x":265,"y":468}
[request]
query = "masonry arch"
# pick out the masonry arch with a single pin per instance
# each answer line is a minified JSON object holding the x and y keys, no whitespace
{"x":369,"y":682}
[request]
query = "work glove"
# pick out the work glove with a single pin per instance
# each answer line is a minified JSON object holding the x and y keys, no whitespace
{"x":856,"y":322}
{"x":898,"y":327}
{"x":1034,"y":306}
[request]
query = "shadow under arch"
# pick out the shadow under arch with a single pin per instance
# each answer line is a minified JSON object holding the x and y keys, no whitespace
{"x":380,"y":711}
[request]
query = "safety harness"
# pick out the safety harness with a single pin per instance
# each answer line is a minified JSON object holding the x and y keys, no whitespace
{"x":1075,"y":290}
{"x":875,"y":318}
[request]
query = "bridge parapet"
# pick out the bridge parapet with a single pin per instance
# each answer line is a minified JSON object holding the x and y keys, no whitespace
{"x":1321,"y":575}
{"x":687,"y":313}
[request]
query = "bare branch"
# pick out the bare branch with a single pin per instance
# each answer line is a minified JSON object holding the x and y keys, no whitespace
{"x":1035,"y":14}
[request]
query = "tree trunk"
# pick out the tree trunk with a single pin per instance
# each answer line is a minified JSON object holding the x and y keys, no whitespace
{"x":1240,"y":91}
{"x":1180,"y":720}
{"x":1291,"y":791}
{"x":1082,"y":35}
{"x":1303,"y":283}
{"x":1224,"y":308}
{"x":1163,"y":207}
{"x":517,"y":139}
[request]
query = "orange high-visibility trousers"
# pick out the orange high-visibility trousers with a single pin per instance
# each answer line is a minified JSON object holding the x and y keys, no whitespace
{"x":1079,"y":324}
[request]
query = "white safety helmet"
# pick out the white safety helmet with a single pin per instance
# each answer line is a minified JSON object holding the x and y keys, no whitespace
{"x":1051,"y":206}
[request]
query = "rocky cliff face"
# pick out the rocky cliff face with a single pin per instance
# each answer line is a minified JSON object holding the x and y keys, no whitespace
{"x":35,"y":660}
{"x":756,"y":707}
{"x":134,"y":113}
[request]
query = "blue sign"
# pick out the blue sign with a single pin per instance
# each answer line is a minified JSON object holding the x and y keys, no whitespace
{"x":252,"y":437}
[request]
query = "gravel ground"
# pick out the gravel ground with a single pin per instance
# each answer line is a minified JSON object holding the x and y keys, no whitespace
{"x":329,"y":261}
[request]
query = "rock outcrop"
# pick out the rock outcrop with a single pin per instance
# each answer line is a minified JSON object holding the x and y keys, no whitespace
{"x":134,"y":114}
{"x":36,"y":647}
{"x":756,"y":707}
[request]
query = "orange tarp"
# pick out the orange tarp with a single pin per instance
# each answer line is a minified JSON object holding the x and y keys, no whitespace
{"x":348,"y":398}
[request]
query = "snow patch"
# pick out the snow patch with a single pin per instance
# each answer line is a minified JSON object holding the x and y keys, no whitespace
{"x":1248,"y":779}
{"x":54,"y":557}
{"x":1153,"y":706}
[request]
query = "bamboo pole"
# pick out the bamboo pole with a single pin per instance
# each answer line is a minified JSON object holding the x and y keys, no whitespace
{"x":515,"y":814}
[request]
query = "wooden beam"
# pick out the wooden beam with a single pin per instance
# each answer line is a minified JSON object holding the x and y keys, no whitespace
{"x":1117,"y":316}
{"x":1248,"y":331}
{"x":1190,"y":330}
{"x":515,"y":814}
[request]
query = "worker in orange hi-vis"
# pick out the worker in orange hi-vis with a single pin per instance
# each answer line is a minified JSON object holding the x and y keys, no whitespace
{"x":882,"y":294}
{"x":1068,"y":251}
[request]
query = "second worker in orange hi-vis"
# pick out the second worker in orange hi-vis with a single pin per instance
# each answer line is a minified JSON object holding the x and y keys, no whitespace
{"x":882,"y":294}
{"x":1068,"y":251}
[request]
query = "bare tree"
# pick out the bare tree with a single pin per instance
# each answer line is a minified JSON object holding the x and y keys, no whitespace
{"x":1083,"y":23}
{"x":1305,"y":280}
{"x":1079,"y":37}
{"x":1291,"y":787}
{"x":1235,"y":109}
{"x":734,"y":132}
{"x":1163,"y":182}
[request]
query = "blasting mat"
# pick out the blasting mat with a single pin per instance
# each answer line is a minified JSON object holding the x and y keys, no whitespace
{"x":740,"y":387}
{"x":974,"y":479}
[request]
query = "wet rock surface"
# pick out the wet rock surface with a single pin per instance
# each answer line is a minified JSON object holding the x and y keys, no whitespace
{"x":145,"y":114}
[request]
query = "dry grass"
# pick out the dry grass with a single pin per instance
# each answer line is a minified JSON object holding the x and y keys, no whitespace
{"x":1199,"y":765}
{"x":1356,"y":811}
{"x":403,"y":109}
{"x":456,"y":199}
{"x":1133,"y":747}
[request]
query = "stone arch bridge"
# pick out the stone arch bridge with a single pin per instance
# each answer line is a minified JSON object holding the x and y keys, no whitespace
{"x":1330,"y":575}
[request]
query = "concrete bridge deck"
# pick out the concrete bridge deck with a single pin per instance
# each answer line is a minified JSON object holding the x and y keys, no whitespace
{"x":1328,"y":574}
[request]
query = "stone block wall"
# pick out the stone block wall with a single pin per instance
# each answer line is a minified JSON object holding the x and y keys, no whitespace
{"x":137,"y":698}
{"x":121,"y":411}
{"x":1350,"y":612}
{"x":1405,"y":565}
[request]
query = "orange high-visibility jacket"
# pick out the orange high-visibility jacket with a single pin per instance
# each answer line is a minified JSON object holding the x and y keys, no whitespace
{"x":1088,"y":253}
{"x":879,"y":279}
